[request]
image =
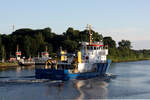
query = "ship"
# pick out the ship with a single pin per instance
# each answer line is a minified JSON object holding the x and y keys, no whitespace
{"x":23,"y":61}
{"x":26,"y":62}
{"x":33,"y":61}
{"x":44,"y":57}
{"x":90,"y":61}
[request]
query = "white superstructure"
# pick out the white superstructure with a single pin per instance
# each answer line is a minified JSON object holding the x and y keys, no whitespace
{"x":44,"y":57}
{"x":92,"y":53}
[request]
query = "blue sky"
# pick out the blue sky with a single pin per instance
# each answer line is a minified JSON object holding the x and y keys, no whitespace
{"x":121,"y":19}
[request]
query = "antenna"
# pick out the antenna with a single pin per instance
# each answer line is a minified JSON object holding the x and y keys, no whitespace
{"x":17,"y":47}
{"x":46,"y":48}
{"x":38,"y":55}
{"x":90,"y":34}
{"x":13,"y":28}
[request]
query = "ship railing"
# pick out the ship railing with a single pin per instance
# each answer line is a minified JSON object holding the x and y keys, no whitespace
{"x":84,"y":61}
{"x":29,"y":62}
{"x":103,"y":61}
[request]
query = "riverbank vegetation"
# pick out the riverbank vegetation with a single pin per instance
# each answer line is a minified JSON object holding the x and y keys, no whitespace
{"x":7,"y":64}
{"x":32,"y":42}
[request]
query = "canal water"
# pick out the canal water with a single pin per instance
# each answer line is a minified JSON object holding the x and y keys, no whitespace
{"x":130,"y":80}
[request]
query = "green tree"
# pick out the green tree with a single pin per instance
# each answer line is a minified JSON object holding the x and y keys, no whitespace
{"x":27,"y":46}
{"x":0,"y":47}
{"x":110,"y":42}
{"x":84,"y":36}
{"x":124,"y":44}
{"x":124,"y":49}
{"x":71,"y":34}
{"x":39,"y":41}
{"x":33,"y":41}
{"x":0,"y":40}
{"x":97,"y":36}
{"x":71,"y":46}
{"x":3,"y":53}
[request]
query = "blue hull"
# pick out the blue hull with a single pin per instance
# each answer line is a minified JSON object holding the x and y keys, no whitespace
{"x":54,"y":74}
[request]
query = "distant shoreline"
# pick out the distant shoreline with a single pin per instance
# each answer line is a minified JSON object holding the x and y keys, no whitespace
{"x":130,"y":60}
{"x":6,"y":64}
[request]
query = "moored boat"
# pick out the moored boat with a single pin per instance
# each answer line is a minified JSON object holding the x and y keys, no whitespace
{"x":23,"y":62}
{"x":44,"y":57}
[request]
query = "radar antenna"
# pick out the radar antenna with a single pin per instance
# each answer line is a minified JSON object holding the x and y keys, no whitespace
{"x":13,"y":28}
{"x":90,"y":34}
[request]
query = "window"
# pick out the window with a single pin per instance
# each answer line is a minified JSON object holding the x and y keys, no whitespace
{"x":91,"y":48}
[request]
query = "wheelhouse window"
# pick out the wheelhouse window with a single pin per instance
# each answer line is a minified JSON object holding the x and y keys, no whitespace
{"x":91,"y":48}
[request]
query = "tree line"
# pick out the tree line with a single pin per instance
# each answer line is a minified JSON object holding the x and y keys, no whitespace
{"x":31,"y":42}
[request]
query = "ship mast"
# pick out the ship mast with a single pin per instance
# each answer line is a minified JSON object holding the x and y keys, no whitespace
{"x":46,"y":48}
{"x":90,"y":34}
{"x":13,"y":28}
{"x":17,"y":48}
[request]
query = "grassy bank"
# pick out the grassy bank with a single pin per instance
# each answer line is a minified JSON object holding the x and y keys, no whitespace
{"x":6,"y":64}
{"x":120,"y":59}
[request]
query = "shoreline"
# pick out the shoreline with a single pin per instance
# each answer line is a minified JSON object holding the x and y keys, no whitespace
{"x":130,"y":60}
{"x":6,"y":64}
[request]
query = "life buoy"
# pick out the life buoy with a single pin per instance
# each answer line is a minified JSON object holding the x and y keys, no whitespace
{"x":87,"y":57}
